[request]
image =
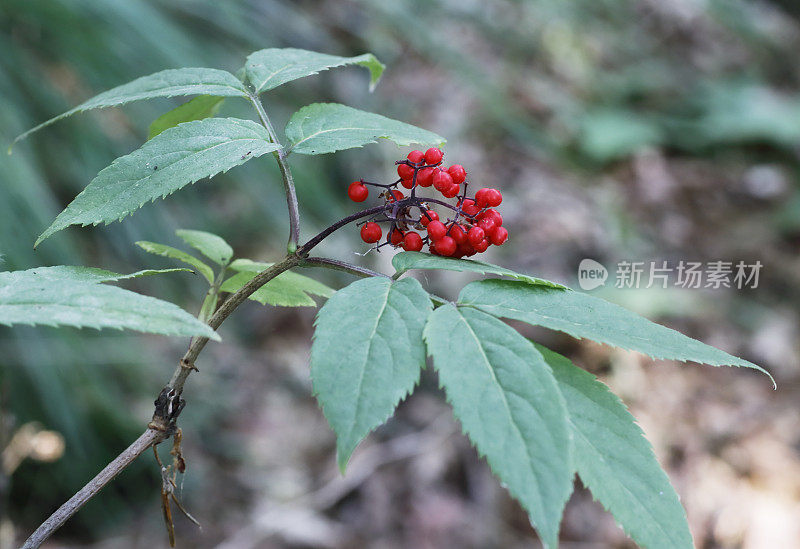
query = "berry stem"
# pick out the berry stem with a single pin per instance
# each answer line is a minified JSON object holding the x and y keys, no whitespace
{"x":303,"y":250}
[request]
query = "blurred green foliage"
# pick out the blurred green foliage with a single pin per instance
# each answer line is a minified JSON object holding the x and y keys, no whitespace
{"x":579,"y":85}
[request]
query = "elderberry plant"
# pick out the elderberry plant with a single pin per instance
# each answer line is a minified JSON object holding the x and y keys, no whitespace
{"x":536,"y":417}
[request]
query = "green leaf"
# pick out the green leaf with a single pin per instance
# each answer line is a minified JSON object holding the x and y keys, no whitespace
{"x":168,"y":83}
{"x":53,"y":299}
{"x":509,"y":405}
{"x":329,"y":127}
{"x":90,"y":274}
{"x":199,"y":108}
{"x":288,"y":289}
{"x":208,"y":244}
{"x":367,"y":355}
{"x":174,"y":253}
{"x":616,"y":462}
{"x":173,"y":159}
{"x":268,"y":69}
{"x":582,"y":315}
{"x":406,"y":261}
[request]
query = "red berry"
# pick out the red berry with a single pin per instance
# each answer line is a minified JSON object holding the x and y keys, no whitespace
{"x":465,"y":249}
{"x":396,"y":237}
{"x":480,"y":198}
{"x":405,"y":171}
{"x":498,"y":235}
{"x":468,"y":207}
{"x":457,"y":234}
{"x":407,"y":183}
{"x":394,"y":195}
{"x":371,"y":232}
{"x":493,"y":198}
{"x":442,"y":181}
{"x":416,"y":156}
{"x":425,"y":177}
{"x":357,"y":191}
{"x":489,"y":219}
{"x":436,"y":230}
{"x":458,"y":173}
{"x":446,"y":246}
{"x":452,"y":191}
{"x":433,"y":156}
{"x":412,"y":242}
{"x":475,"y":235}
{"x":425,"y":219}
{"x":481,"y":246}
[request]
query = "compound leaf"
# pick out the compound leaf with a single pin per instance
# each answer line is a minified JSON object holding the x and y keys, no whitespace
{"x":90,"y":274}
{"x":582,"y":315}
{"x":367,"y":355}
{"x":55,"y":299}
{"x":174,"y":253}
{"x":323,"y":128}
{"x":173,"y":159}
{"x":268,"y":69}
{"x":406,"y":261}
{"x":288,"y":289}
{"x":167,"y":83}
{"x":199,"y":108}
{"x":509,"y":405}
{"x":615,"y":461}
{"x":210,"y":245}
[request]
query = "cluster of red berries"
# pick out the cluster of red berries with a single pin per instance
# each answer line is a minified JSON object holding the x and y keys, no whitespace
{"x":471,"y":226}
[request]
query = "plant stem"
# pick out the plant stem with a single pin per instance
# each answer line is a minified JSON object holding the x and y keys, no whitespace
{"x":337,"y":265}
{"x":286,"y":174}
{"x":303,"y":250}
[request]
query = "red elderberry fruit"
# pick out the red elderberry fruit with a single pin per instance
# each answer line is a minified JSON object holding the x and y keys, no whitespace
{"x":436,"y":230}
{"x":458,"y":173}
{"x":446,"y":246}
{"x":469,"y":208}
{"x":407,"y":183}
{"x":425,"y":177}
{"x":481,"y":246}
{"x":452,"y":191}
{"x":425,"y":219}
{"x":475,"y":235}
{"x":488,"y":197}
{"x":396,"y":237}
{"x":394,"y":195}
{"x":405,"y":171}
{"x":416,"y":157}
{"x":457,"y":234}
{"x":412,"y":242}
{"x":371,"y":232}
{"x":357,"y":191}
{"x":490,"y":218}
{"x":433,"y":155}
{"x":442,"y":181}
{"x":498,"y":235}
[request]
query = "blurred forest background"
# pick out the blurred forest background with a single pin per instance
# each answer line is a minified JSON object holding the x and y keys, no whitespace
{"x":648,"y":130}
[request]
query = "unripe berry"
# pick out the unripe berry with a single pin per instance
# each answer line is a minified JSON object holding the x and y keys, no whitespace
{"x":436,"y":230}
{"x":407,"y":183}
{"x":433,"y":156}
{"x":412,"y":242}
{"x":396,"y":237}
{"x":416,"y":156}
{"x":498,"y":235}
{"x":481,"y":246}
{"x":371,"y":232}
{"x":442,"y":181}
{"x":405,"y":171}
{"x":425,"y":177}
{"x":457,"y":234}
{"x":458,"y":173}
{"x":446,"y":246}
{"x":425,"y":219}
{"x":357,"y":191}
{"x":475,"y":235}
{"x":452,"y":191}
